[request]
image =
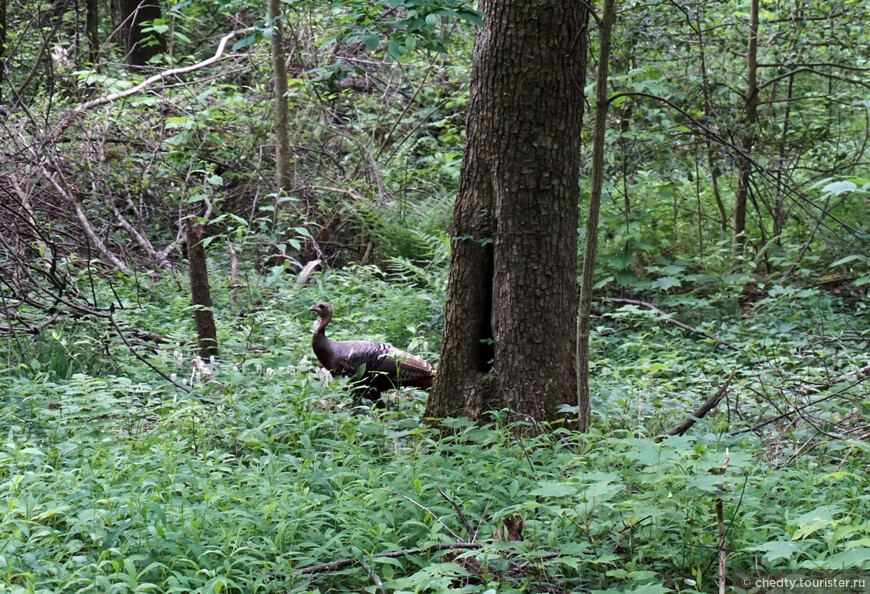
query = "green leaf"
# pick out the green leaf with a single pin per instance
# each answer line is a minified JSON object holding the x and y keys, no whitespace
{"x":667,"y":282}
{"x":815,"y":520}
{"x":245,"y":41}
{"x":846,"y":260}
{"x":837,"y":188}
{"x":472,"y":16}
{"x":371,"y":41}
{"x":857,"y":558}
{"x":396,"y":48}
{"x":551,"y":489}
{"x":603,"y":282}
{"x":777,"y":549}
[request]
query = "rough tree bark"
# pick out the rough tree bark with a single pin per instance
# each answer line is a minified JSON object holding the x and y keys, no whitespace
{"x":133,"y":14}
{"x":744,"y":169}
{"x":509,"y":332}
{"x":200,"y":292}
{"x":279,"y":76}
{"x":584,"y":408}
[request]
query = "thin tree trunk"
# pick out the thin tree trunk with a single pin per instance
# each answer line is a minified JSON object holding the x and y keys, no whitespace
{"x":779,"y":203}
{"x":744,"y":168}
{"x":700,"y":208}
{"x":92,"y":23}
{"x":626,"y":198}
{"x":133,"y":14}
{"x":708,"y":112}
{"x":279,"y":82}
{"x":2,"y":45}
{"x":584,"y":412}
{"x":200,"y":293}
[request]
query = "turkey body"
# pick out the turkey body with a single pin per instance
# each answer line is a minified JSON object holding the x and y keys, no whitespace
{"x":380,"y":367}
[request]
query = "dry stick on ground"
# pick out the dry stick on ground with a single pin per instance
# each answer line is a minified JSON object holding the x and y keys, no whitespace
{"x":701,"y":411}
{"x":668,"y":319}
{"x":307,"y":272}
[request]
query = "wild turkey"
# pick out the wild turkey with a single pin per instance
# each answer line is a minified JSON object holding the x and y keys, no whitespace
{"x":381,"y":367}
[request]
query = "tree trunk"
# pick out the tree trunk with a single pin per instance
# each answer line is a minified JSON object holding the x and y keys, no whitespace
{"x":519,"y":183}
{"x":708,"y":113}
{"x":279,"y":80}
{"x":2,"y":46}
{"x":133,"y":14}
{"x":200,"y":293}
{"x":779,"y":204}
{"x":92,"y":22}
{"x":463,"y":385}
{"x":584,"y":407}
{"x":744,"y":168}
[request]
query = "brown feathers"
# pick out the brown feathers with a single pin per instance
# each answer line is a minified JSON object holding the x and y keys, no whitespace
{"x":380,"y":367}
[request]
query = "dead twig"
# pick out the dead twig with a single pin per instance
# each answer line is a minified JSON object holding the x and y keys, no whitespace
{"x":147,"y":82}
{"x":863,"y":373}
{"x":427,"y":510}
{"x":720,"y":522}
{"x":669,"y":319}
{"x":462,"y":517}
{"x":375,"y":577}
{"x":343,"y":563}
{"x":701,"y":411}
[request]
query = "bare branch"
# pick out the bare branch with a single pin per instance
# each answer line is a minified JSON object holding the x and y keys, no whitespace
{"x":669,"y":319}
{"x":148,"y":82}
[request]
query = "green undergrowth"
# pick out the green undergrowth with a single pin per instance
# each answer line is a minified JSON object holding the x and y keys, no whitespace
{"x":114,"y":480}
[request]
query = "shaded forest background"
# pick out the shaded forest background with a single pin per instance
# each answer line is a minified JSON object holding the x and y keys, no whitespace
{"x":131,"y":464}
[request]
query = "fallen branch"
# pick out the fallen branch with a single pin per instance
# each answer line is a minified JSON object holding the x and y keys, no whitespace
{"x":701,"y":411}
{"x":59,"y":183}
{"x":668,"y":319}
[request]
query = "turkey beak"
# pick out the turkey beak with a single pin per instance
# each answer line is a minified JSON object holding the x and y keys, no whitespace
{"x":312,"y":308}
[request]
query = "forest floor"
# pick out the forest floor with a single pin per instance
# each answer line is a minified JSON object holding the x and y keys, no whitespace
{"x":115,"y":480}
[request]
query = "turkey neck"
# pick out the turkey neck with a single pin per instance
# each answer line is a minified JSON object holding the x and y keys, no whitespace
{"x":320,"y":342}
